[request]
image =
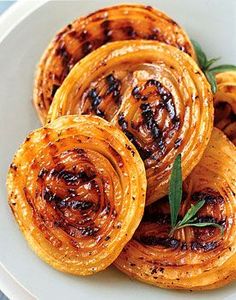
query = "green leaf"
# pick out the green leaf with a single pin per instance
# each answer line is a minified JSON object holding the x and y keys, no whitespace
{"x":222,"y":68}
{"x":201,"y":56}
{"x":211,"y":78}
{"x":175,"y":190}
{"x":192,"y":212}
{"x":211,"y":62}
{"x":203,"y":225}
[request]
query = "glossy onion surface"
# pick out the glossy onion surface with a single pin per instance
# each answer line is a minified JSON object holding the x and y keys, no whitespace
{"x":77,"y":190}
{"x":225,"y":104}
{"x":123,"y":22}
{"x":153,"y":92}
{"x":193,"y":258}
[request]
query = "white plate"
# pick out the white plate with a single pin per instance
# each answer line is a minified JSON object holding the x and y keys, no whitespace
{"x":212,"y":23}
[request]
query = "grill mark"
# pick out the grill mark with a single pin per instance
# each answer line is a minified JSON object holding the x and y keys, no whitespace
{"x":130,"y":32}
{"x":210,"y":196}
{"x":114,"y":86}
{"x":67,"y":59}
{"x":137,"y":94}
{"x":60,"y":203}
{"x":157,"y":241}
{"x":166,"y":100}
{"x":72,"y":178}
{"x":50,"y":197}
{"x":205,"y":246}
{"x":124,"y":126}
{"x":148,"y":118}
{"x":89,"y":231}
{"x":84,"y":35}
{"x":107,"y":32}
{"x":87,"y":47}
{"x":154,"y":35}
{"x":96,"y":100}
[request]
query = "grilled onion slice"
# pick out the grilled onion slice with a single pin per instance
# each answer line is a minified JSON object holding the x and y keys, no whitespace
{"x":194,"y":258}
{"x":155,"y":93}
{"x":122,"y":22}
{"x":225,"y":104}
{"x":77,"y":190}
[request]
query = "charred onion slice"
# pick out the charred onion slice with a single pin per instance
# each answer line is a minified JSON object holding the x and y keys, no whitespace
{"x":225,"y":104}
{"x":194,"y":258}
{"x":123,"y":22}
{"x":77,"y":190}
{"x":155,"y":93}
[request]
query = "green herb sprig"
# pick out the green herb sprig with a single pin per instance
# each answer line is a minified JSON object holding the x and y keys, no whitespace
{"x":175,"y":197}
{"x":206,"y":66}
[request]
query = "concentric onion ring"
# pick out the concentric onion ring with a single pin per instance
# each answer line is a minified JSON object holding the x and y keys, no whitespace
{"x":122,"y":22}
{"x":225,"y":104}
{"x":77,"y":190}
{"x":155,"y":93}
{"x":194,"y":258}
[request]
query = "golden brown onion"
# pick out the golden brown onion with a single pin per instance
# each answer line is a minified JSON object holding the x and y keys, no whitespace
{"x":77,"y":190}
{"x":225,"y":104}
{"x":122,"y":22}
{"x":155,"y":93}
{"x":194,"y":258}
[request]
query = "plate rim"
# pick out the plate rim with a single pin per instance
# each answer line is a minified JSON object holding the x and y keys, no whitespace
{"x":11,"y":18}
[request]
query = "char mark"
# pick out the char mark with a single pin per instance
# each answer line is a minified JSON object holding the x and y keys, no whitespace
{"x":166,"y":100}
{"x":114,"y":86}
{"x":96,"y":100}
{"x":88,"y":231}
{"x":148,"y":118}
{"x":157,"y":241}
{"x":107,"y":32}
{"x":137,"y":94}
{"x":144,"y":153}
{"x":67,"y":59}
{"x":72,"y":178}
{"x":130,"y":32}
{"x":87,"y":47}
{"x":60,"y":202}
{"x":205,"y":246}
{"x":210,"y":196}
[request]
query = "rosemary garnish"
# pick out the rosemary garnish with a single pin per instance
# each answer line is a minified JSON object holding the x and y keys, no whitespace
{"x":175,"y":197}
{"x":206,"y":66}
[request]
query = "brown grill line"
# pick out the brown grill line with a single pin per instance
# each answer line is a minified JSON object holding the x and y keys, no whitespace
{"x":124,"y":126}
{"x":172,"y":243}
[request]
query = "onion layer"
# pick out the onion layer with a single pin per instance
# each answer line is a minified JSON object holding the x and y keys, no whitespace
{"x":155,"y":93}
{"x":225,"y":104}
{"x":194,"y":258}
{"x":122,"y":22}
{"x":77,"y":190}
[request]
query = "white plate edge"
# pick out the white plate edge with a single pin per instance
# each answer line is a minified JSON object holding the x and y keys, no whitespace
{"x":9,"y":285}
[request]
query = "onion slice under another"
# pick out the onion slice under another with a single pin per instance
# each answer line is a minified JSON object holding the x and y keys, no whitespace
{"x":85,"y":34}
{"x":193,"y":258}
